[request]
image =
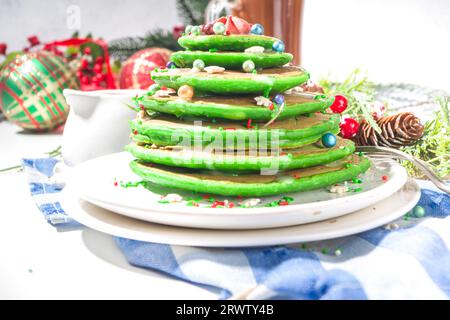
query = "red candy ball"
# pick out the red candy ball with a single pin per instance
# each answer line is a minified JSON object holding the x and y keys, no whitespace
{"x":340,"y":104}
{"x":349,"y":128}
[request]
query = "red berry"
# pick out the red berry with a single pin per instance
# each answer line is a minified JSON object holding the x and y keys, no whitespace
{"x":100,"y":76}
{"x":98,"y":68}
{"x":87,"y":50}
{"x":95,"y":80}
{"x":85,"y":80}
{"x":84,"y":64}
{"x":3,"y":47}
{"x":79,"y":74}
{"x":340,"y":104}
{"x":99,"y":60}
{"x":33,"y":40}
{"x":349,"y":128}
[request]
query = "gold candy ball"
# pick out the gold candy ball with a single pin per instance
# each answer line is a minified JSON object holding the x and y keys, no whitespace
{"x":185,"y":92}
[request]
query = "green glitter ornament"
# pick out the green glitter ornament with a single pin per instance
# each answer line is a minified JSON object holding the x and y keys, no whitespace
{"x":31,"y":90}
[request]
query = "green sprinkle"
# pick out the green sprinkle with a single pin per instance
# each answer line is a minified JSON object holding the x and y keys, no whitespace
{"x":191,"y":203}
{"x":348,"y":165}
{"x":213,"y":120}
{"x":360,"y":154}
{"x":132,"y":184}
{"x":289,"y":155}
{"x":357,"y":190}
{"x":304,"y":246}
{"x":272,"y":204}
{"x":355,"y":180}
{"x":163,"y":201}
{"x":164,"y":70}
{"x":220,"y":128}
{"x":209,"y":127}
{"x":323,"y":111}
{"x":211,"y":199}
{"x":325,"y":251}
{"x":288,"y":199}
{"x":254,"y":71}
{"x":212,"y":50}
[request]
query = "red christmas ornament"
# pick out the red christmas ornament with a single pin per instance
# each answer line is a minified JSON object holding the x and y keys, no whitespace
{"x":33,"y":40}
{"x":3,"y":47}
{"x":340,"y":104}
{"x":135,"y":73}
{"x":177,"y":31}
{"x":349,"y":128}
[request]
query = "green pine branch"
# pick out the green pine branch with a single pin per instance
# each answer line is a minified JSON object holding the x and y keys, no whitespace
{"x":360,"y":93}
{"x":123,"y":48}
{"x":192,"y":12}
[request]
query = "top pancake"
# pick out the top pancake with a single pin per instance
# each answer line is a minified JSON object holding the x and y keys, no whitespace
{"x":234,"y":42}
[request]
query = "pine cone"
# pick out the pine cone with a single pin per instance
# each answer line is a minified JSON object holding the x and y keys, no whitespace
{"x":398,"y":130}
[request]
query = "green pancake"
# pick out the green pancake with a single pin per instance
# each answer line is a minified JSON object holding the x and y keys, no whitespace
{"x":234,"y":42}
{"x":232,"y":82}
{"x":234,"y":108}
{"x":231,"y":60}
{"x":307,"y":156}
{"x":252,"y":185}
{"x":166,"y":130}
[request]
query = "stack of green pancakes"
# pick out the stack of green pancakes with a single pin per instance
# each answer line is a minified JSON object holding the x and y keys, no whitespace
{"x":228,"y":116}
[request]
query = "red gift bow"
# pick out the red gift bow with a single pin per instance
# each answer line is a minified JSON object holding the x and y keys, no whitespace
{"x":79,"y":41}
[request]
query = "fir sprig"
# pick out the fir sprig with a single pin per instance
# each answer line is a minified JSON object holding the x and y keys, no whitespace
{"x":192,"y":11}
{"x":434,"y":146}
{"x":360,"y":93}
{"x":123,"y":48}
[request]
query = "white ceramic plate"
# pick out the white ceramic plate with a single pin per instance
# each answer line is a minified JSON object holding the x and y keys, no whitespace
{"x":93,"y":181}
{"x":373,"y":216}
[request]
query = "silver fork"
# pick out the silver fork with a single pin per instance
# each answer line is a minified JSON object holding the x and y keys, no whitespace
{"x":384,"y":153}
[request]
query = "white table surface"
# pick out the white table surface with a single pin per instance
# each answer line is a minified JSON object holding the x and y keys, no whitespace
{"x":38,"y":262}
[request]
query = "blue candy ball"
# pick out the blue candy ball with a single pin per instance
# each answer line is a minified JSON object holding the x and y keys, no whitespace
{"x":279,"y":99}
{"x":171,"y":65}
{"x":257,"y":29}
{"x":278,"y":46}
{"x":329,"y":140}
{"x":419,"y":212}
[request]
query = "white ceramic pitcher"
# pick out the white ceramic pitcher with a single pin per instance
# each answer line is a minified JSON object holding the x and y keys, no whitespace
{"x":97,"y":123}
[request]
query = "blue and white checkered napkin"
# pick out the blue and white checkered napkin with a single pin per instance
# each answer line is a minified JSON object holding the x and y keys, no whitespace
{"x":410,"y":262}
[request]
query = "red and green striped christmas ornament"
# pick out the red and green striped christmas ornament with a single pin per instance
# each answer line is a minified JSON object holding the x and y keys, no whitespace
{"x":31,"y":90}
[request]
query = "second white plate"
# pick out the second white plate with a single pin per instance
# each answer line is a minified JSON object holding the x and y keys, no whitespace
{"x":371,"y":217}
{"x":94,"y":181}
